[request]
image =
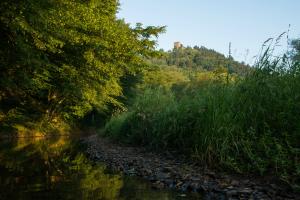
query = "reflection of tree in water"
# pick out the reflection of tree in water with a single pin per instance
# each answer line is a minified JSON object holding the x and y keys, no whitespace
{"x":51,"y":169}
{"x":92,"y":181}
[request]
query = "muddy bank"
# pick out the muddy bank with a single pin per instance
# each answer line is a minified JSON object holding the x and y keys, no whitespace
{"x":167,"y":170}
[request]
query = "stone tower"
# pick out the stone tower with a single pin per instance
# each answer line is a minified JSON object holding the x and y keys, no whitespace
{"x":177,"y":45}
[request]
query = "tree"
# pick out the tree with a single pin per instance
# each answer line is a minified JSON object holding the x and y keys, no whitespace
{"x":66,"y":57}
{"x":200,"y":58}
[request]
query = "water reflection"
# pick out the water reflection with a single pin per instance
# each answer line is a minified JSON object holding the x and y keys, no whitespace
{"x":38,"y":168}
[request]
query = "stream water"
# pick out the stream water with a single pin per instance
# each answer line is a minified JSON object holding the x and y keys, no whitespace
{"x":55,"y":168}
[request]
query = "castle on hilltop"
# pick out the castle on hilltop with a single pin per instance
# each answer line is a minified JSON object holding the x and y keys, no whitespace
{"x":178,"y":45}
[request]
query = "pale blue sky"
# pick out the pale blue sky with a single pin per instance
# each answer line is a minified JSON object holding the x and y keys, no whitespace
{"x":215,"y":23}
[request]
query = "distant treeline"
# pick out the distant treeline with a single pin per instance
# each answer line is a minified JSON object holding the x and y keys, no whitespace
{"x":200,"y":58}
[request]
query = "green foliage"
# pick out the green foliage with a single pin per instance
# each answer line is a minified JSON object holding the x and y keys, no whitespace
{"x":200,"y":58}
{"x":66,"y":58}
{"x":53,"y":163}
{"x":165,"y":77}
{"x":248,"y":124}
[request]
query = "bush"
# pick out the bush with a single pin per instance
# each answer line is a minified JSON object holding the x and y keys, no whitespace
{"x":249,"y":125}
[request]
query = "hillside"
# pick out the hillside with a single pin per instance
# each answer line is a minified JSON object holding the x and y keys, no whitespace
{"x":200,"y":58}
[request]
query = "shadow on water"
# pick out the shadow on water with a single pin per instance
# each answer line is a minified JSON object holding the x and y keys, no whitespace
{"x":54,"y":168}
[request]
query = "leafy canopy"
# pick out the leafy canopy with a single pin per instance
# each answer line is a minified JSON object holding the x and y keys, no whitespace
{"x":66,"y":57}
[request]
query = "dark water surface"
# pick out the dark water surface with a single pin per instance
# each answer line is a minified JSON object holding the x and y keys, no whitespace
{"x":38,"y":168}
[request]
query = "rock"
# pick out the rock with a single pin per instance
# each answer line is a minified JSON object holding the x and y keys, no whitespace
{"x":173,"y":171}
{"x":167,"y":169}
{"x":211,"y":174}
{"x":259,"y":188}
{"x":163,"y":176}
{"x":158,"y":185}
{"x":235,"y":183}
{"x":231,"y":193}
{"x":186,"y":187}
{"x":179,"y":184}
{"x":246,"y":191}
{"x":147,"y":171}
{"x":195,"y":179}
{"x":131,"y":171}
{"x":273,"y":186}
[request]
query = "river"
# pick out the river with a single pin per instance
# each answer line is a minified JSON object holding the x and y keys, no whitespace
{"x":56,"y":168}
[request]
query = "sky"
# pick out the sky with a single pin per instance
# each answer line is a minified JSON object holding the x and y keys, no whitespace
{"x":215,"y":23}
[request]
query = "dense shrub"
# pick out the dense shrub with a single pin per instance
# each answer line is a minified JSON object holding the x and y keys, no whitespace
{"x":247,"y":125}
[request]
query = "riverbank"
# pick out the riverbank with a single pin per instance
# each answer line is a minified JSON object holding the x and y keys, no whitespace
{"x":56,"y":168}
{"x":168,"y":170}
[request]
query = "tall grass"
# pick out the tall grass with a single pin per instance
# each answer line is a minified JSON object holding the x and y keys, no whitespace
{"x":249,"y":125}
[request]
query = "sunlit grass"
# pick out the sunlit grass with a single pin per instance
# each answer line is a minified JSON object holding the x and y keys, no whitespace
{"x":249,"y":124}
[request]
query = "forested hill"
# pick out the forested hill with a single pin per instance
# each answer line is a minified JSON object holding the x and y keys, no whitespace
{"x":200,"y":58}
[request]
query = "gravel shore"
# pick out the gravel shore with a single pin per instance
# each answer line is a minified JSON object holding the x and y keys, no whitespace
{"x":168,"y":170}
